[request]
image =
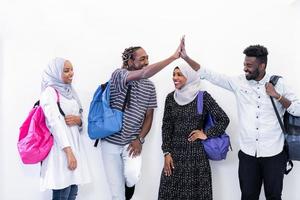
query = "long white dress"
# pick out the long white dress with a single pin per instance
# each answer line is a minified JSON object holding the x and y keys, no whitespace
{"x":54,"y":170}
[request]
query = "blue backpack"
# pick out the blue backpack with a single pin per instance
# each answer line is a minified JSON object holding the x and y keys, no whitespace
{"x":103,"y":120}
{"x":216,"y":148}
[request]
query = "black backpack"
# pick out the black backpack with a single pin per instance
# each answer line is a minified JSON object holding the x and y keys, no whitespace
{"x":291,"y":129}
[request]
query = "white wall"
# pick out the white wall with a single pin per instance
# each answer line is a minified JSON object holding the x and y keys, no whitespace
{"x":1,"y":108}
{"x":92,"y":34}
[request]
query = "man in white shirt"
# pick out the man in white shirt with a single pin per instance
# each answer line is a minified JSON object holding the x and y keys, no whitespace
{"x":262,"y":158}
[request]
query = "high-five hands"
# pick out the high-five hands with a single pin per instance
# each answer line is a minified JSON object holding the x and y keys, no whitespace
{"x":183,"y":54}
{"x":177,"y":53}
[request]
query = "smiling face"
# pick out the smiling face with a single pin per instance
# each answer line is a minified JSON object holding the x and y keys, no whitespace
{"x":251,"y":68}
{"x":67,"y":74}
{"x":139,"y":60}
{"x":254,"y":70}
{"x":178,"y":78}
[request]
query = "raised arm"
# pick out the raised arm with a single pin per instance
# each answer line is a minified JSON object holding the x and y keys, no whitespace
{"x":218,"y":79}
{"x":152,"y":69}
{"x":196,"y":66}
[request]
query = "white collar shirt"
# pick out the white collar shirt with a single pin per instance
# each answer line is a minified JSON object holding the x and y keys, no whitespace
{"x":260,"y":132}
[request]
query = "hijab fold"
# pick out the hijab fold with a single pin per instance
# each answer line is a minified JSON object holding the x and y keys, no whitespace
{"x":188,"y":92}
{"x":52,"y":77}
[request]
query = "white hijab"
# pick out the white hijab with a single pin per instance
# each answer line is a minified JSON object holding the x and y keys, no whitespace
{"x":52,"y":77}
{"x":189,"y":91}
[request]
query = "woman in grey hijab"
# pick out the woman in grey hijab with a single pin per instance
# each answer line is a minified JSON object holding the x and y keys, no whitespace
{"x":53,"y":77}
{"x":65,"y":167}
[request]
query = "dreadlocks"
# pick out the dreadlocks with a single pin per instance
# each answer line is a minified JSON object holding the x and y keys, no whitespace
{"x":128,"y":54}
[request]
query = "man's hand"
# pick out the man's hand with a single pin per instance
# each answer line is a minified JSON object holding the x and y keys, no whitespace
{"x":197,"y":134}
{"x":183,"y":53}
{"x":72,"y":120}
{"x":135,"y":148}
{"x":177,"y":53}
{"x":169,"y":165}
{"x":270,"y":90}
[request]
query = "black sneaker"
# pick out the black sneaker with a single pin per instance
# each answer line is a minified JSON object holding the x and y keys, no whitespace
{"x":129,"y":192}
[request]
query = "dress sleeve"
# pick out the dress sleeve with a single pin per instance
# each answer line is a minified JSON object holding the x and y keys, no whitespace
{"x":167,"y":126}
{"x":220,"y":117}
{"x":54,"y":120}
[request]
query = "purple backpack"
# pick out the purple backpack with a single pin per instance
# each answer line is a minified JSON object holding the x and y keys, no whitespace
{"x":216,"y":148}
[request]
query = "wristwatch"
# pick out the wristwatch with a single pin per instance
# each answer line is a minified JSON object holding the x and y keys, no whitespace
{"x":141,"y":139}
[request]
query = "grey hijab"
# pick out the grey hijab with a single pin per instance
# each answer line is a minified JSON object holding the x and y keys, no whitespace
{"x":52,"y":77}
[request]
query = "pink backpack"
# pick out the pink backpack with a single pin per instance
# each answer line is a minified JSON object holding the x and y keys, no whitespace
{"x":35,"y":139}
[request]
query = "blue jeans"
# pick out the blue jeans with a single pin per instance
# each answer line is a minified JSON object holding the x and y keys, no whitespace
{"x":68,"y":193}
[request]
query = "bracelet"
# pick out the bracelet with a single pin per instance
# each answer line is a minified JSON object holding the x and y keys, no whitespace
{"x":166,"y":153}
{"x":280,"y":97}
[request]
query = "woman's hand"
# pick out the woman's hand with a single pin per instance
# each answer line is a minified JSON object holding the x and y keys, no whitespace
{"x":72,"y":162}
{"x":183,"y":53}
{"x":177,"y":53}
{"x":72,"y":120}
{"x":197,"y":134}
{"x":169,"y":165}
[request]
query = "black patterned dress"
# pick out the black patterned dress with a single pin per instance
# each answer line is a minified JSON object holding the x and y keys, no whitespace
{"x":191,"y":176}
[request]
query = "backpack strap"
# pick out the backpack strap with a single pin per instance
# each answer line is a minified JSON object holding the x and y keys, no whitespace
{"x":200,"y":102}
{"x":273,"y":80}
{"x":58,"y":103}
{"x":127,"y":97}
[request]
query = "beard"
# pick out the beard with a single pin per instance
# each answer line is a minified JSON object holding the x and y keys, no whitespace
{"x":253,"y":75}
{"x":134,"y":67}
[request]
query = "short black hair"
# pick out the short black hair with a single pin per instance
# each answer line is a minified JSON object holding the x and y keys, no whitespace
{"x":258,"y":51}
{"x":128,"y":54}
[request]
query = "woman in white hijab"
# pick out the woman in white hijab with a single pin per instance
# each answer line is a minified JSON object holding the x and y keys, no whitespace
{"x":65,"y":166}
{"x":186,"y":173}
